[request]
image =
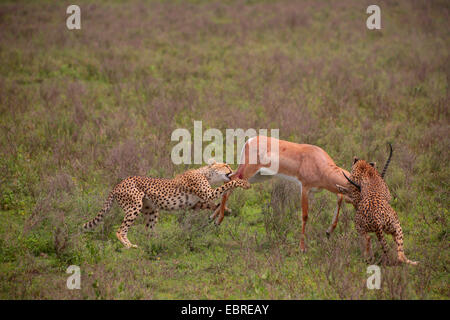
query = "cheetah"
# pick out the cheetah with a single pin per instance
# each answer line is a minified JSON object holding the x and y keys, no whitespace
{"x":370,"y":195}
{"x":190,"y":190}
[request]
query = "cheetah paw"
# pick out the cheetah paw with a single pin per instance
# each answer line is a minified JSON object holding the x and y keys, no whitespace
{"x":245,"y":184}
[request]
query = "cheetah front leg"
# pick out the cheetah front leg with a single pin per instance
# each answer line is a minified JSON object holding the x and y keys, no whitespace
{"x":204,"y":205}
{"x":368,"y":254}
{"x":151,"y":218}
{"x":209,"y":205}
{"x":366,"y":244}
{"x":151,"y":215}
{"x":207,"y":194}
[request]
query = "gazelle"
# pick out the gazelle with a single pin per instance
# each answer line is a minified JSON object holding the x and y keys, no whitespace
{"x":308,"y":165}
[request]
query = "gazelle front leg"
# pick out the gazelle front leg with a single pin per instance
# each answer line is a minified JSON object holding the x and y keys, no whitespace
{"x":336,"y":215}
{"x":220,"y":210}
{"x":305,"y":192}
{"x":245,"y":172}
{"x":211,"y":194}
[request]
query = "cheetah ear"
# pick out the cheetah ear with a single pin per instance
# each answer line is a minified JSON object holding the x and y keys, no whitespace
{"x":211,"y":162}
{"x":355,"y":159}
{"x":373,"y":164}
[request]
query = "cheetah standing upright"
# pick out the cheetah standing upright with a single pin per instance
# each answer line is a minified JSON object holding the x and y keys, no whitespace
{"x":191,"y":189}
{"x":370,"y":196}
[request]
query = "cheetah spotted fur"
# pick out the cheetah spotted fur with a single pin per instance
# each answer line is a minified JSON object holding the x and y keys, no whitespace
{"x":190,"y":190}
{"x":370,"y":196}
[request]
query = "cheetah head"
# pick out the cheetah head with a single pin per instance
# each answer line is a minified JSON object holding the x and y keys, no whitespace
{"x":360,"y":169}
{"x":218,"y":172}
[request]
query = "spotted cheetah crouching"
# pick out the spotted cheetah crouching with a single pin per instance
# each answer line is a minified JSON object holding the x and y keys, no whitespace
{"x":370,"y":196}
{"x":190,"y":190}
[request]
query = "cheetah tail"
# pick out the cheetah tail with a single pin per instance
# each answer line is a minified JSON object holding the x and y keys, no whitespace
{"x":99,"y":217}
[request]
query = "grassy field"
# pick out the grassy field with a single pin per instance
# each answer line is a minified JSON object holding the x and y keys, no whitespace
{"x":81,"y":110}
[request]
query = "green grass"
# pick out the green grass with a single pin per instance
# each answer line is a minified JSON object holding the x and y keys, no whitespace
{"x":81,"y":110}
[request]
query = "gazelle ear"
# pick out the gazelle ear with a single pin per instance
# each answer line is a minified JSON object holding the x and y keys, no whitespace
{"x":355,"y":159}
{"x":211,"y":162}
{"x":373,"y":164}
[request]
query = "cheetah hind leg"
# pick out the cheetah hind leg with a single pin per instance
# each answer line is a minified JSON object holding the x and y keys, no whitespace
{"x":124,"y":239}
{"x":132,"y":210}
{"x":401,"y":257}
